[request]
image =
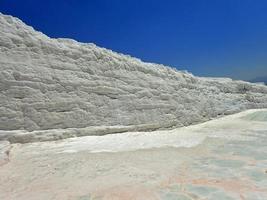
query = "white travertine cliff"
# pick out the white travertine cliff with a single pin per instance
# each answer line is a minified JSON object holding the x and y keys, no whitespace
{"x":60,"y":83}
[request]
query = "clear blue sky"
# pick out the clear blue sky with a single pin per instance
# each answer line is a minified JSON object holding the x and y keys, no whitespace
{"x":205,"y":37}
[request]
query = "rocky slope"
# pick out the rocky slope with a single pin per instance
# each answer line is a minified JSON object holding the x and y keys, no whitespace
{"x":60,"y":83}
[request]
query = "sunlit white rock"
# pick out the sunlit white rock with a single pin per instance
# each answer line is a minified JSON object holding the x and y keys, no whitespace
{"x":59,"y":83}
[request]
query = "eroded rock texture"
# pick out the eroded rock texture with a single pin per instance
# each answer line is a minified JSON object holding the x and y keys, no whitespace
{"x":59,"y":83}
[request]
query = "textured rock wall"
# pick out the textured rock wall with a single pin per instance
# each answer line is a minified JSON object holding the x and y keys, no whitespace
{"x":59,"y":83}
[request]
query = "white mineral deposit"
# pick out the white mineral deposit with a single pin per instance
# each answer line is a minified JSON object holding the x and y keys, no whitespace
{"x":80,"y":122}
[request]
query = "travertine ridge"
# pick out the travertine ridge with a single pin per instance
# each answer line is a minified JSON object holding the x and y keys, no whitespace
{"x":60,"y":84}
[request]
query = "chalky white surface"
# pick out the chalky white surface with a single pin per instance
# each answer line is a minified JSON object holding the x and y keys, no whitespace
{"x":50,"y":83}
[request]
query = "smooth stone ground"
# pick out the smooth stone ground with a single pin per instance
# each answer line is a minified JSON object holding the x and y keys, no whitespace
{"x":229,"y":163}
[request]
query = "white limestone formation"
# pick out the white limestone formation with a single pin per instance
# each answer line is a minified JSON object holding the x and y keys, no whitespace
{"x":221,"y":159}
{"x":83,"y":89}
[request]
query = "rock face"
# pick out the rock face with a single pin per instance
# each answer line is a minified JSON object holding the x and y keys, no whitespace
{"x":59,"y":83}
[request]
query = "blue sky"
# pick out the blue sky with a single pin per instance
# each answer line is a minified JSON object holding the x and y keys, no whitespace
{"x":205,"y":37}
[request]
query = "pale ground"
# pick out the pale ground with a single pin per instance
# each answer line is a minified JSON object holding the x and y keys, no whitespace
{"x":221,"y":159}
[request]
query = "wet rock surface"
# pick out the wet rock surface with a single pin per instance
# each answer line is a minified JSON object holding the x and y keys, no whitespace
{"x":229,"y":163}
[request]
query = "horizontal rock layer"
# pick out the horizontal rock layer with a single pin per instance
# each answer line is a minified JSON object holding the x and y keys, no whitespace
{"x":59,"y":83}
